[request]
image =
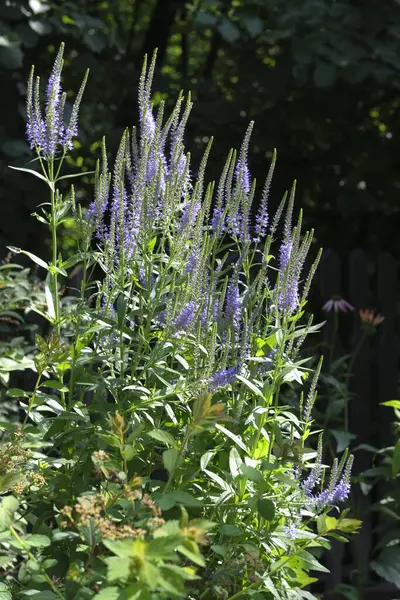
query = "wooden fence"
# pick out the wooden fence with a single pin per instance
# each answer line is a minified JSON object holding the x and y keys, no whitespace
{"x":366,"y":282}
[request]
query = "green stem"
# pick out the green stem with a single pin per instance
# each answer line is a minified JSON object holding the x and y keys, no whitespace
{"x":243,"y":592}
{"x":347,"y":382}
{"x":182,"y":450}
{"x":32,"y":400}
{"x":53,"y":227}
{"x":33,"y":558}
{"x":333,"y":343}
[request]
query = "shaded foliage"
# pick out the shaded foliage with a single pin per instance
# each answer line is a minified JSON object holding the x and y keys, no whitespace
{"x":319,"y":78}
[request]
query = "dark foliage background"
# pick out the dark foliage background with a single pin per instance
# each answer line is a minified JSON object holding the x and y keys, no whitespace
{"x":320,"y":78}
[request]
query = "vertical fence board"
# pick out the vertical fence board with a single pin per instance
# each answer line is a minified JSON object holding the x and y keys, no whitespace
{"x":360,"y":406}
{"x":375,"y":378}
{"x":330,"y":284}
{"x":388,"y":359}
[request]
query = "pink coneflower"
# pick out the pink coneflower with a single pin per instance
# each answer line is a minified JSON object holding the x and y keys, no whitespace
{"x":338,"y":304}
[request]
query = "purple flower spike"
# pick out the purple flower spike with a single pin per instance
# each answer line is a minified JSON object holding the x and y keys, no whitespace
{"x":189,"y":214}
{"x":290,"y":531}
{"x":47,"y":133}
{"x":289,"y":299}
{"x":224,"y":377}
{"x":242,"y":175}
{"x":233,"y":307}
{"x":191,"y":264}
{"x":285,"y":252}
{"x":217,"y":221}
{"x":262,"y":217}
{"x":242,"y":172}
{"x":186,"y":316}
{"x":149,"y":124}
{"x":341,"y":492}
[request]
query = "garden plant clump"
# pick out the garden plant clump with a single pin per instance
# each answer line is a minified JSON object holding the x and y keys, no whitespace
{"x":155,"y":458}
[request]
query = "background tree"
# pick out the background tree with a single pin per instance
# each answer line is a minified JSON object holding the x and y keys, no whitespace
{"x":320,"y":79}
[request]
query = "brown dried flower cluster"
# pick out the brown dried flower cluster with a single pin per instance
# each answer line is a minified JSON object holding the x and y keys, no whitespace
{"x":90,"y":510}
{"x":30,"y":479}
{"x":13,"y":460}
{"x":12,"y":456}
{"x":195,"y":534}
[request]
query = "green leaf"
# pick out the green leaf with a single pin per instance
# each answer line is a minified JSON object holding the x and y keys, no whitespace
{"x":149,"y":574}
{"x":170,"y":458}
{"x":35,"y":173}
{"x":53,"y":383}
{"x":8,"y":481}
{"x":266,"y":508}
{"x":218,"y":480}
{"x":138,"y":592}
{"x":392,"y":403}
{"x":151,"y":244}
{"x":325,"y":524}
{"x":91,"y":533}
{"x":49,"y":299}
{"x":35,"y":540}
{"x":311,"y":562}
{"x":205,"y":459}
{"x":162,"y":436}
{"x":187,"y":551}
{"x":118,"y":568}
{"x":228,"y":30}
{"x":349,"y":525}
{"x":183,"y":361}
{"x":41,"y":595}
{"x":396,"y":459}
{"x":33,"y":257}
{"x":8,"y":507}
{"x":388,"y":565}
{"x":5,"y":593}
{"x":205,"y":18}
{"x":232,"y":436}
{"x":121,"y":548}
{"x":230,"y":530}
{"x":254,"y":25}
{"x":75,"y":175}
{"x":267,"y":581}
{"x":252,"y":473}
{"x":109,"y":593}
{"x":220,"y":549}
{"x":250,"y":385}
{"x":343,"y":439}
{"x":350,"y":592}
{"x":17,"y":393}
{"x":5,"y":561}
{"x":4,"y":590}
{"x":235,"y":462}
{"x":183,"y":497}
{"x":166,"y":502}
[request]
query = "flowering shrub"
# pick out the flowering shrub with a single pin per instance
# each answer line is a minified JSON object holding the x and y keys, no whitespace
{"x":156,"y":459}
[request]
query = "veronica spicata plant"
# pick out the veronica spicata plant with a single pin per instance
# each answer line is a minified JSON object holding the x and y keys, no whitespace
{"x":156,"y":459}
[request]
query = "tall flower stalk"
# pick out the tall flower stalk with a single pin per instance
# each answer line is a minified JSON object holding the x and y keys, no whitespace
{"x":51,"y":138}
{"x":174,"y":359}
